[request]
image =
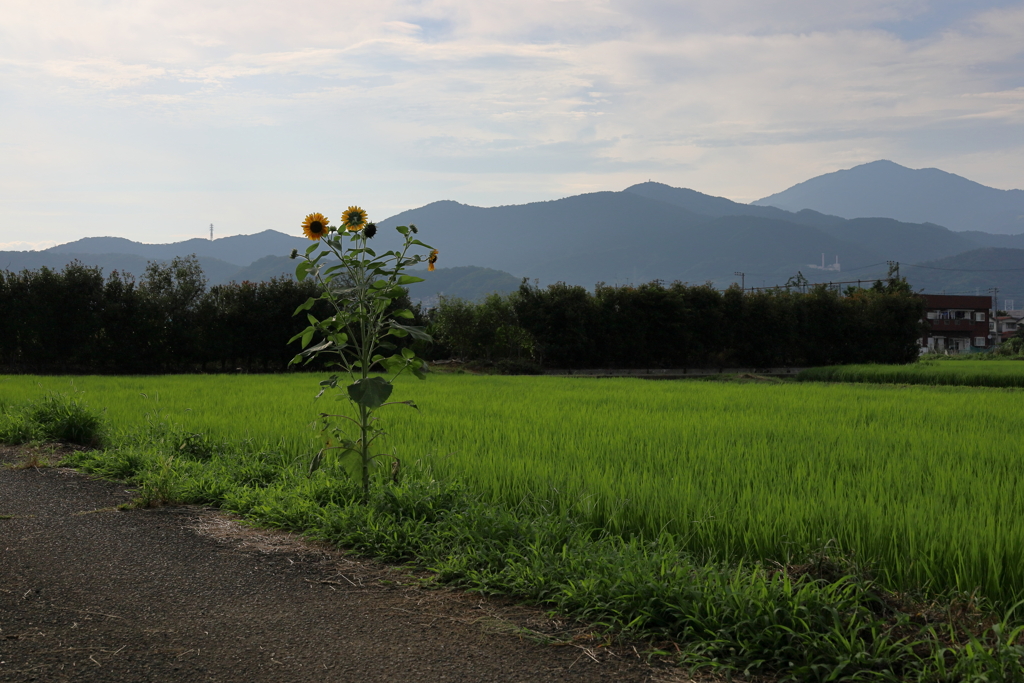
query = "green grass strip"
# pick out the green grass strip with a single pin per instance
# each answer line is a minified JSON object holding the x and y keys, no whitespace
{"x":975,"y":373}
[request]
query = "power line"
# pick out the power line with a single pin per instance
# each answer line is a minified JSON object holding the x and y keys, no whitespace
{"x":888,"y":276}
{"x":850,"y":270}
{"x":967,"y":270}
{"x":845,"y":270}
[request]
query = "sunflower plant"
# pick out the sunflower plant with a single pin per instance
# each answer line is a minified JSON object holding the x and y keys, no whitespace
{"x":360,"y":288}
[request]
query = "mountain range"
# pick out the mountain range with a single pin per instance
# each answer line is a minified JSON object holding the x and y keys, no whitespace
{"x":653,"y":231}
{"x":924,"y":195}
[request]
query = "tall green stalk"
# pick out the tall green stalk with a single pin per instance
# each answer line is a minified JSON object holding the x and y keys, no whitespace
{"x":355,"y":335}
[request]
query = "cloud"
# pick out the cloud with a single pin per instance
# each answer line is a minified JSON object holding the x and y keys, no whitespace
{"x":103,"y":74}
{"x":538,"y":97}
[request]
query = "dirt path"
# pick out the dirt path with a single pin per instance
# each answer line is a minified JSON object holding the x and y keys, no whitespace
{"x":88,"y":593}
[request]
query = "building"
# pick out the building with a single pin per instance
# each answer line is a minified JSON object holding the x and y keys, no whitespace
{"x":957,"y":323}
{"x":1005,"y":326}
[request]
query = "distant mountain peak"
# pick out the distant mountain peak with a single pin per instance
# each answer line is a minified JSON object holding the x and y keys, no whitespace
{"x":886,"y":189}
{"x":443,"y":203}
{"x":880,"y":163}
{"x":239,"y":250}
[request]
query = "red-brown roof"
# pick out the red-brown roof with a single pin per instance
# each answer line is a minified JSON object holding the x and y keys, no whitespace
{"x":957,"y":301}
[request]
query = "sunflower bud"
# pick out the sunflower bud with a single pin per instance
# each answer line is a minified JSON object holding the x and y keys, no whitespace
{"x":413,"y":228}
{"x":370,"y":230}
{"x":294,"y":254}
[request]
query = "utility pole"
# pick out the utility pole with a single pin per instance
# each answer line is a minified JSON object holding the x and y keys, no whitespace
{"x":894,"y":268}
{"x":743,"y":279}
{"x":995,"y":318}
{"x":211,"y":232}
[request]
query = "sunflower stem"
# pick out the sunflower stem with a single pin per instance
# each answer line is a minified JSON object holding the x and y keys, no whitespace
{"x":360,"y":315}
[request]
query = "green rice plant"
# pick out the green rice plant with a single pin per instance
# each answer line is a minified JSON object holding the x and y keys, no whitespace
{"x":987,"y":373}
{"x":919,"y":483}
{"x":691,"y":511}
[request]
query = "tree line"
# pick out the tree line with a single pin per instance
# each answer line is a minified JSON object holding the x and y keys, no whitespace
{"x":168,"y":320}
{"x":680,"y":325}
{"x":77,"y":320}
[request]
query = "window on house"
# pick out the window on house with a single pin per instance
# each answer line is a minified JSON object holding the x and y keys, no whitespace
{"x":932,"y":314}
{"x":979,"y":341}
{"x":959,"y":315}
{"x":979,"y":317}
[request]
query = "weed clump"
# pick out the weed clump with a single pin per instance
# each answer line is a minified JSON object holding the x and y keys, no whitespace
{"x":16,"y":429}
{"x":56,"y":417}
{"x":64,"y":418}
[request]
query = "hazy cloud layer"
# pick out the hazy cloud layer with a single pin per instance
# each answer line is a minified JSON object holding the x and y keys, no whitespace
{"x":152,"y":120}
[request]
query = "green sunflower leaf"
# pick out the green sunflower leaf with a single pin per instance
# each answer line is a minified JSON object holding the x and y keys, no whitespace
{"x":306,"y":306}
{"x":300,"y":335}
{"x":415,"y":331}
{"x":370,"y":392}
{"x":409,"y":279}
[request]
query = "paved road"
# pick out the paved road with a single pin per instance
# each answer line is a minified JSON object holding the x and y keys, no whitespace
{"x":88,"y":593}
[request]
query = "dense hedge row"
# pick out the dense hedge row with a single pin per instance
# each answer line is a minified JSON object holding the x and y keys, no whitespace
{"x":653,"y":325}
{"x":168,"y":321}
{"x":76,"y":320}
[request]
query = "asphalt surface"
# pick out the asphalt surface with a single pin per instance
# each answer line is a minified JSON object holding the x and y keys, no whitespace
{"x":90,"y":593}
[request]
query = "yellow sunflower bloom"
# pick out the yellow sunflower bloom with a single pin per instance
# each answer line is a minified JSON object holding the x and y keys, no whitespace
{"x":354,"y":219}
{"x":315,"y":226}
{"x":431,"y":260}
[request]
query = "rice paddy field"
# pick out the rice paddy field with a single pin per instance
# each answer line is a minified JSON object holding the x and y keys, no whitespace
{"x":980,"y":373}
{"x":920,"y":482}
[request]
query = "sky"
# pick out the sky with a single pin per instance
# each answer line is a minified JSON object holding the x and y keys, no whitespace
{"x":152,"y":119}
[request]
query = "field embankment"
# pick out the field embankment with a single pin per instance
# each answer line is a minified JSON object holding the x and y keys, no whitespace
{"x":975,"y":373}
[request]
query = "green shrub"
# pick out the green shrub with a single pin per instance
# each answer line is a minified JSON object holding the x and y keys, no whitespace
{"x":63,"y":418}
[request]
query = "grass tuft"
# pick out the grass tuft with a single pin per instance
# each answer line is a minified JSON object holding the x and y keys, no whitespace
{"x":55,"y":417}
{"x":17,"y":429}
{"x":65,"y":418}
